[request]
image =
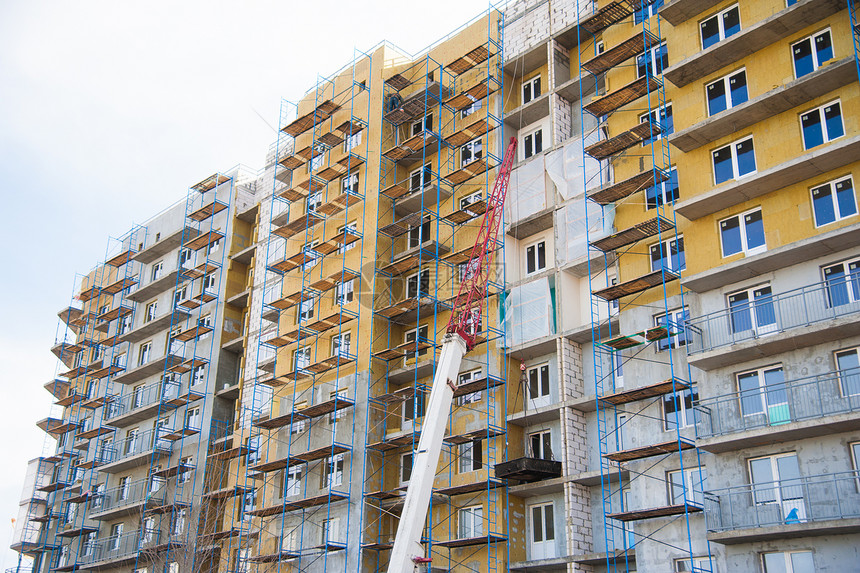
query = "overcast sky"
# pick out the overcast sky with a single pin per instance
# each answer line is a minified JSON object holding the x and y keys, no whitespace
{"x":109,"y":110}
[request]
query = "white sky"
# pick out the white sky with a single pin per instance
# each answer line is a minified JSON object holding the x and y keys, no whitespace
{"x":109,"y":110}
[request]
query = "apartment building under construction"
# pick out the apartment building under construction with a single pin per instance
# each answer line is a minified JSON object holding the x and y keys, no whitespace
{"x":668,"y":352}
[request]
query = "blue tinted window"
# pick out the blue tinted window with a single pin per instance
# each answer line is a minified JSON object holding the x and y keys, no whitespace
{"x":754,"y":228}
{"x":738,"y":88}
{"x":810,"y":53}
{"x":821,"y":125}
{"x":723,"y":169}
{"x":720,"y":26}
{"x":829,"y":206}
{"x":823,"y":206}
{"x":664,"y":192}
{"x":717,"y":101}
{"x":730,"y":233}
{"x":746,"y":157}
{"x":648,"y":9}
{"x":845,"y":198}
{"x":833,"y":121}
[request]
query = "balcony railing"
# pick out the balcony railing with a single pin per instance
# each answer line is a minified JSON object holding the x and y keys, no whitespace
{"x":141,"y":398}
{"x":122,"y":546}
{"x":137,"y":444}
{"x":131,"y":494}
{"x":769,"y":315}
{"x":787,"y":502}
{"x":779,"y":403}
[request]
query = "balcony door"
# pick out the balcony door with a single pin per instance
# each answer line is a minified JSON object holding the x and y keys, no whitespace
{"x":542,"y":539}
{"x":776,"y":482}
{"x":763,"y":391}
{"x":538,"y":387}
{"x":752,"y":312}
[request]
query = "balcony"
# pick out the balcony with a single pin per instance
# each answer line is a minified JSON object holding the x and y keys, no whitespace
{"x":147,"y":369}
{"x":799,"y":318}
{"x":802,"y":507}
{"x":791,"y":410}
{"x":135,"y":450}
{"x":154,"y":287}
{"x":751,"y":39}
{"x":127,"y":500}
{"x":157,"y":324}
{"x":112,"y":551}
{"x":140,"y":404}
{"x":160,"y":248}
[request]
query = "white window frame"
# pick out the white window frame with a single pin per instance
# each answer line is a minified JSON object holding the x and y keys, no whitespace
{"x":333,"y":471}
{"x":538,"y":398}
{"x":538,"y":442}
{"x":349,"y":183}
{"x":720,"y":25}
{"x":423,"y":125}
{"x":741,"y":217}
{"x":831,"y":188}
{"x":651,"y":60}
{"x":470,"y":521}
{"x":352,"y":141}
{"x":417,"y":333}
{"x":541,"y":517}
{"x":726,"y":80}
{"x":819,"y":111}
{"x":405,"y":470}
{"x":733,"y":148}
{"x":350,"y":228}
{"x":844,"y":389}
{"x":301,"y":358}
{"x":424,"y":178}
{"x":532,"y":256}
{"x":528,"y":89}
{"x":762,"y":393}
{"x":331,"y":530}
{"x":472,"y":108}
{"x":344,"y":292}
{"x":686,"y":417}
{"x":314,"y":201}
{"x":150,"y":312}
{"x":531,"y":147}
{"x":340,"y":344}
{"x":469,"y":460}
{"x":471,"y":151}
{"x":143,"y":352}
{"x":414,"y":282}
{"x":692,"y":483}
{"x":306,"y":309}
{"x":811,"y":39}
{"x":789,"y":566}
{"x":662,"y":111}
{"x":465,"y":378}
{"x":665,"y":252}
{"x":471,"y":199}
{"x":155,"y":271}
{"x":699,"y":563}
{"x":678,"y":317}
{"x":752,"y":307}
{"x":293,"y":481}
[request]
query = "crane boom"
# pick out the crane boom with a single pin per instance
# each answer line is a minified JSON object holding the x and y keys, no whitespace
{"x":460,"y":337}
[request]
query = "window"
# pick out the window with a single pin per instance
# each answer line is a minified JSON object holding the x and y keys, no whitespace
{"x":698,"y":564}
{"x":349,"y":184}
{"x":421,"y":178}
{"x":115,"y":534}
{"x":90,"y":544}
{"x":727,"y":92}
{"x":311,"y":256}
{"x":788,"y":562}
{"x":124,"y":324}
{"x":336,"y":396}
{"x":679,"y":408}
{"x":119,"y":360}
{"x":848,"y":366}
{"x":648,"y":9}
{"x":306,"y":308}
{"x":192,"y":418}
{"x":348,"y":230}
{"x":314,"y":201}
{"x":422,"y":125}
{"x":465,"y":378}
{"x":419,"y":234}
{"x":254,"y":454}
{"x":249,"y":502}
{"x":318,"y":160}
{"x":661,"y":118}
{"x":209,"y":283}
{"x":855,"y":459}
{"x":471,"y":456}
{"x":185,"y":256}
{"x":763,"y":391}
{"x":150,"y":311}
{"x":470,"y":199}
{"x":743,"y":233}
{"x":692,"y":482}
{"x":752,"y":311}
{"x":652,"y":62}
{"x":199,"y":375}
{"x":543,"y":531}
{"x":834,"y":201}
{"x":536,"y":257}
{"x":473,"y":107}
{"x":538,"y":385}
{"x":413,"y":408}
{"x":617,"y":360}
{"x":299,"y":426}
{"x":180,"y":295}
{"x":471,"y":522}
{"x":531,"y":89}
{"x":821,"y":125}
{"x":333,"y":474}
{"x":293,"y":481}
{"x":143,"y":353}
{"x":418,"y":285}
{"x":843,"y":282}
{"x":213,"y":247}
{"x":720,"y":26}
{"x":406,"y":461}
{"x":678,"y":335}
{"x":301,"y":358}
{"x":137,"y":396}
{"x":540,"y":444}
{"x":470,"y":152}
{"x":340,"y":344}
{"x":155,"y":271}
{"x":131,"y":441}
{"x":204,"y":325}
{"x":776,"y":480}
{"x":675,"y":261}
{"x":811,"y":52}
{"x":410,"y":336}
{"x":734,"y":161}
{"x":352,"y":142}
{"x":186,"y":471}
{"x":344,"y":292}
{"x":532,"y":143}
{"x":663,"y":193}
{"x":179,"y":518}
{"x":331,"y":530}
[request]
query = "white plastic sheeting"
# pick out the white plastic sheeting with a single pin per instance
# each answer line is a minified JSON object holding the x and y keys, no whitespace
{"x":568,"y":166}
{"x":571,"y":242}
{"x":527,"y":190}
{"x":529,"y":312}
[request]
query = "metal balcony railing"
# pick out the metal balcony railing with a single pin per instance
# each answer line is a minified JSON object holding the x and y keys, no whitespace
{"x":141,"y":398}
{"x":779,"y":403}
{"x":786,"y":502}
{"x":136,"y":444}
{"x":110,"y":548}
{"x":767,"y":315}
{"x":130,"y":494}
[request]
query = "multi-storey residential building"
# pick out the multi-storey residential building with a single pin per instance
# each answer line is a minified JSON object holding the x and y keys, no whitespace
{"x":667,"y":368}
